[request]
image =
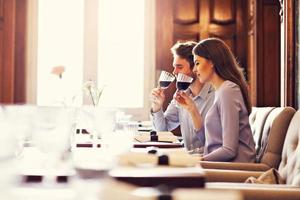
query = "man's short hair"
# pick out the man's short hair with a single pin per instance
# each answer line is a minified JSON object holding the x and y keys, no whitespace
{"x":184,"y":50}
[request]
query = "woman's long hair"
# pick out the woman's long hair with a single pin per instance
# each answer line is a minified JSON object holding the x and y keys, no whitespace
{"x":225,"y":64}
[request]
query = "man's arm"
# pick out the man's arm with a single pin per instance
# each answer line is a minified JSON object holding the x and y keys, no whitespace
{"x":168,"y":120}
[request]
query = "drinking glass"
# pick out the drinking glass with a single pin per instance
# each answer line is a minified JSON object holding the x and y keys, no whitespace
{"x":52,"y":128}
{"x":165,"y":79}
{"x":8,"y":144}
{"x":183,"y":82}
{"x":20,"y":116}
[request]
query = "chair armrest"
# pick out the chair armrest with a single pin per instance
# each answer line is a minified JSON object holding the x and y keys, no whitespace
{"x":216,"y":175}
{"x":234,"y":166}
{"x":260,"y":191}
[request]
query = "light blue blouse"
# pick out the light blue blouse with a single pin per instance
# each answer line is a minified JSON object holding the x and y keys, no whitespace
{"x":226,"y":127}
{"x":176,"y":115}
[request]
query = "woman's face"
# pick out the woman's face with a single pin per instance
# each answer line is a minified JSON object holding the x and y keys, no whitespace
{"x":203,"y":69}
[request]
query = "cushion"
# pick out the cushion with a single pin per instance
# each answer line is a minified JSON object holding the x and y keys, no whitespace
{"x":269,"y":177}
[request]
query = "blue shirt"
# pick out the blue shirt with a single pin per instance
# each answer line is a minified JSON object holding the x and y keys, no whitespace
{"x":176,"y":115}
{"x":226,"y":127}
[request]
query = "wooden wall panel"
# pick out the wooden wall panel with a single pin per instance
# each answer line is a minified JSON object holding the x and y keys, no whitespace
{"x":268,"y":53}
{"x":223,"y":11}
{"x":180,"y":14}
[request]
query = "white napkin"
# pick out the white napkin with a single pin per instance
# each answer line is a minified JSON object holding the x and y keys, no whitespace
{"x":177,"y":159}
{"x":163,"y":136}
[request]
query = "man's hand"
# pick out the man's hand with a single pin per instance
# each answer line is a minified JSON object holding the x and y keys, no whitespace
{"x":158,"y":97}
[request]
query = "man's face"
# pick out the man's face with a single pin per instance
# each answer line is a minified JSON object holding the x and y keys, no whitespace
{"x":181,"y":65}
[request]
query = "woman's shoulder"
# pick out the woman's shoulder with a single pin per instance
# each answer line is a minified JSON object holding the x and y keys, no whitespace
{"x":229,"y":87}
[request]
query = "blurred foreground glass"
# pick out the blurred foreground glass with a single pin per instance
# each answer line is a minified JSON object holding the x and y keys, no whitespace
{"x":21,"y":118}
{"x":8,"y":144}
{"x":109,"y":128}
{"x":52,"y":127}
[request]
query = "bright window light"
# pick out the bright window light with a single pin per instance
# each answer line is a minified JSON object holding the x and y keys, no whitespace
{"x":121,"y":52}
{"x":60,"y":43}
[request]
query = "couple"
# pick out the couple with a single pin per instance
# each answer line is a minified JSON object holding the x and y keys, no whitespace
{"x":213,"y":112}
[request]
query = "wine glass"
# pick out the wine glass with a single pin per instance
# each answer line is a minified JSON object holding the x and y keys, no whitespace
{"x":52,"y":127}
{"x":183,"y":82}
{"x":165,"y":79}
{"x":8,"y":144}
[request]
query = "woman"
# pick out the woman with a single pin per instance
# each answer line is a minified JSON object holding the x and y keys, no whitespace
{"x":225,"y":130}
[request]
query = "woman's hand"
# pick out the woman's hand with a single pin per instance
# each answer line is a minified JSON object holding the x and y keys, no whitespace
{"x":185,"y":101}
{"x":188,"y":103}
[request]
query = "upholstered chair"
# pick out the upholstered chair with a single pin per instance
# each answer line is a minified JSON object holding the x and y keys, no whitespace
{"x":269,"y":126}
{"x":289,"y":170}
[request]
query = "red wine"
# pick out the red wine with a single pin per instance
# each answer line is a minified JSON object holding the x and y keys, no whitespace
{"x":164,"y":84}
{"x":182,"y":85}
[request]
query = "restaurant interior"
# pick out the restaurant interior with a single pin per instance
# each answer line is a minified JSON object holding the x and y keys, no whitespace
{"x":80,"y":81}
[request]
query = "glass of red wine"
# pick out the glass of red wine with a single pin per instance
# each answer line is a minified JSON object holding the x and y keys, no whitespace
{"x":183,"y":82}
{"x":165,"y":79}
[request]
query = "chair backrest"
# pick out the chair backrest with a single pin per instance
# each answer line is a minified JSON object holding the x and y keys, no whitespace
{"x":273,"y":136}
{"x":289,"y":167}
{"x":257,"y":120}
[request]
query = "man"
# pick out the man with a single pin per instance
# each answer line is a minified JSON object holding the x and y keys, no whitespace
{"x":202,"y":94}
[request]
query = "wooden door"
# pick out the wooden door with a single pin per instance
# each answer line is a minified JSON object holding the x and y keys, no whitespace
{"x":196,"y":20}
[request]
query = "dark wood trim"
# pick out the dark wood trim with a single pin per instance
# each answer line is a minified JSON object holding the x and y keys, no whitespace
{"x":7,"y":66}
{"x":290,"y":53}
{"x":20,"y":52}
{"x":251,"y":58}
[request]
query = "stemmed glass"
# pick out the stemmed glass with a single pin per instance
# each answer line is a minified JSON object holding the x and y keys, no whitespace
{"x":52,"y":127}
{"x":165,"y":79}
{"x":183,"y":82}
{"x":8,"y":144}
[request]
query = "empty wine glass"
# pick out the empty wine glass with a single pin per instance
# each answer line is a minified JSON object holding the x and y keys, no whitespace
{"x":52,"y":127}
{"x":183,"y":82}
{"x":165,"y":79}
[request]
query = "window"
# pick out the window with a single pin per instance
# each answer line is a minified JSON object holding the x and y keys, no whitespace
{"x":121,"y":52}
{"x":97,"y":40}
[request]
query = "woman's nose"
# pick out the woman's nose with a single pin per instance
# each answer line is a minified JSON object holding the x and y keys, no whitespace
{"x":195,"y":69}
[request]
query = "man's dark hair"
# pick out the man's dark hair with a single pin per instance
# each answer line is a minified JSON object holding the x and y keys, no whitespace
{"x":184,"y":50}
